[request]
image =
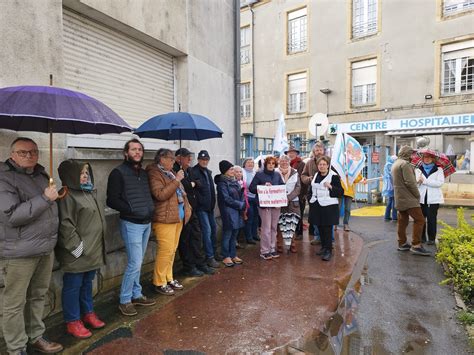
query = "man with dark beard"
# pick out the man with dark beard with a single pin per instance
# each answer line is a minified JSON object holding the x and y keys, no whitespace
{"x":128,"y":192}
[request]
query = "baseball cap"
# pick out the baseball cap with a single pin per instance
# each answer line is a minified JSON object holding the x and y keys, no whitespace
{"x":183,"y":152}
{"x":203,"y":154}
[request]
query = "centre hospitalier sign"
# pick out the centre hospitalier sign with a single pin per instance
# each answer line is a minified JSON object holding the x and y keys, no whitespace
{"x":272,"y":196}
{"x":464,"y":119}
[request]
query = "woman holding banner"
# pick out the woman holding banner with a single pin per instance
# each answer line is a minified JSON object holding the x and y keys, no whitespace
{"x":325,"y":189}
{"x":269,"y":215}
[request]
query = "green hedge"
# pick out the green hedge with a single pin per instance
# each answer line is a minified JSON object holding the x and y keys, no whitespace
{"x":456,"y":251}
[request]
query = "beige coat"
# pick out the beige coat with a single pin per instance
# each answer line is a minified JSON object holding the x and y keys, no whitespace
{"x":405,"y":187}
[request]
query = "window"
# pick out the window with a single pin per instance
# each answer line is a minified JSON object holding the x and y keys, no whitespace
{"x":458,"y":68}
{"x":297,"y":93}
{"x":245,"y":101}
{"x":364,"y":18}
{"x":364,"y":82}
{"x":298,"y":137}
{"x":245,"y":45}
{"x":297,"y":31}
{"x":453,"y":7}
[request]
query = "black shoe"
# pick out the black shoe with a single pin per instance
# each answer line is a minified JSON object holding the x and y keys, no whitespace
{"x":218,"y":257}
{"x":420,"y":251}
{"x":194,"y":272}
{"x":251,"y":242}
{"x":321,"y":251}
{"x":430,"y":242}
{"x":326,"y":256}
{"x":257,"y":238}
{"x":206,"y":269}
{"x":404,"y":247}
{"x":211,"y":262}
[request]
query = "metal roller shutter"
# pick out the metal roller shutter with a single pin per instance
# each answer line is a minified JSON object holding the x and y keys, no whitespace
{"x":134,"y":79}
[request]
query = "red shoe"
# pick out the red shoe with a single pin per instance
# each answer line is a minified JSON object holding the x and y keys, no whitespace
{"x":92,"y":320}
{"x":77,"y":330}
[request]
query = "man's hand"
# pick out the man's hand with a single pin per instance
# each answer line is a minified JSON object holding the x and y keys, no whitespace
{"x":328,"y":185}
{"x":268,"y":184}
{"x":180,"y":175}
{"x":193,"y":184}
{"x":51,"y":193}
{"x":420,"y":180}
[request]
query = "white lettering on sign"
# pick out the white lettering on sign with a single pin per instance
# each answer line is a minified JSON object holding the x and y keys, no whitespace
{"x":465,"y":119}
{"x":272,"y":196}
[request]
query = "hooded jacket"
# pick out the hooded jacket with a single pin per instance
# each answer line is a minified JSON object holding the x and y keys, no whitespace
{"x":387,"y":189}
{"x":231,"y":202}
{"x":28,"y":219}
{"x":404,"y":182}
{"x":81,"y":219}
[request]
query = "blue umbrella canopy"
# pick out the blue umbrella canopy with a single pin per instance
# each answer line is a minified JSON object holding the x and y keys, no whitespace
{"x":50,"y":109}
{"x":179,"y":126}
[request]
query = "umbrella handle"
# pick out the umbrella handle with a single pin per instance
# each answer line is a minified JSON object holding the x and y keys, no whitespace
{"x":63,"y":192}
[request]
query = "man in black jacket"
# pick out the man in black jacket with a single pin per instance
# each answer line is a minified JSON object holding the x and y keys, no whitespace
{"x":129,"y":193}
{"x":205,"y":203}
{"x":190,"y":240}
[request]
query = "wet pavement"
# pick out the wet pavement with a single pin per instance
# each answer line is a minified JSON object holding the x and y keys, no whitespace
{"x":256,"y":307}
{"x":403,"y":309}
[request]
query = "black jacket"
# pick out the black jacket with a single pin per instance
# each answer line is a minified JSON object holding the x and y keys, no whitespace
{"x":128,"y":192}
{"x":205,"y":190}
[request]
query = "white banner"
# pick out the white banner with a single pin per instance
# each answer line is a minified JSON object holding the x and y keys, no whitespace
{"x":272,"y":196}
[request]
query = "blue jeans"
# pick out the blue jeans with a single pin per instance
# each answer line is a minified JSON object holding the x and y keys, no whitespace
{"x":390,"y":209}
{"x":77,"y":294}
{"x":251,"y":224}
{"x":208,"y":229}
{"x":229,"y":239}
{"x":135,"y":237}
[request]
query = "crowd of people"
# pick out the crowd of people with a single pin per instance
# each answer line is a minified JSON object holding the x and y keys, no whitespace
{"x":175,"y":202}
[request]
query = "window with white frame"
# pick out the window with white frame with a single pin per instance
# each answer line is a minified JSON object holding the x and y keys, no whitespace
{"x":245,"y":45}
{"x":297,"y":31}
{"x":453,"y":7}
{"x":297,"y":93}
{"x":364,"y":82}
{"x":245,"y":101}
{"x":364,"y":18}
{"x":458,"y":68}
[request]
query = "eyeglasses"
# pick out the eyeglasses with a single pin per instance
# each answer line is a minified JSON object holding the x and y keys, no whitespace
{"x":24,"y":153}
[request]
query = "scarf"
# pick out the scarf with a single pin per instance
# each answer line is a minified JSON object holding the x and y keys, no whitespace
{"x":285,"y":174}
{"x":294,"y":163}
{"x":428,"y":167}
{"x":268,"y":172}
{"x":171,"y":176}
{"x":87,"y":186}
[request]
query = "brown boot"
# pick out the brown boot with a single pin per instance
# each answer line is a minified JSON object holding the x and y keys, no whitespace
{"x":46,"y":347}
{"x":293,"y":246}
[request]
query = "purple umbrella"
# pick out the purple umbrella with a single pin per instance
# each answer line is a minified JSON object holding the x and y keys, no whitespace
{"x":51,"y":110}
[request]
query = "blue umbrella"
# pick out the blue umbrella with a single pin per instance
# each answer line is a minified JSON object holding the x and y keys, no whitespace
{"x":179,"y":126}
{"x":50,"y":109}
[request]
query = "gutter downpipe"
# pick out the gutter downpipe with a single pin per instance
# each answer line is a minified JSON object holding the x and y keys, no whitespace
{"x":252,"y":24}
{"x":237,"y":79}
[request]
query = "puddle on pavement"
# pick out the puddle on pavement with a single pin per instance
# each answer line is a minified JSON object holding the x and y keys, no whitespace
{"x":122,"y":332}
{"x":340,"y":335}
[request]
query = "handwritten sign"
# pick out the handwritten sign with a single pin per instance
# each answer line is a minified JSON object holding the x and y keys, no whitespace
{"x":272,"y":196}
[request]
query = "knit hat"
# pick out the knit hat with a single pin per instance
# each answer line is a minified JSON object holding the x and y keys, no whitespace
{"x":225,"y":165}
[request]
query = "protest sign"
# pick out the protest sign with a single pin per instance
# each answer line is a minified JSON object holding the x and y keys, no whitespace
{"x":272,"y":196}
